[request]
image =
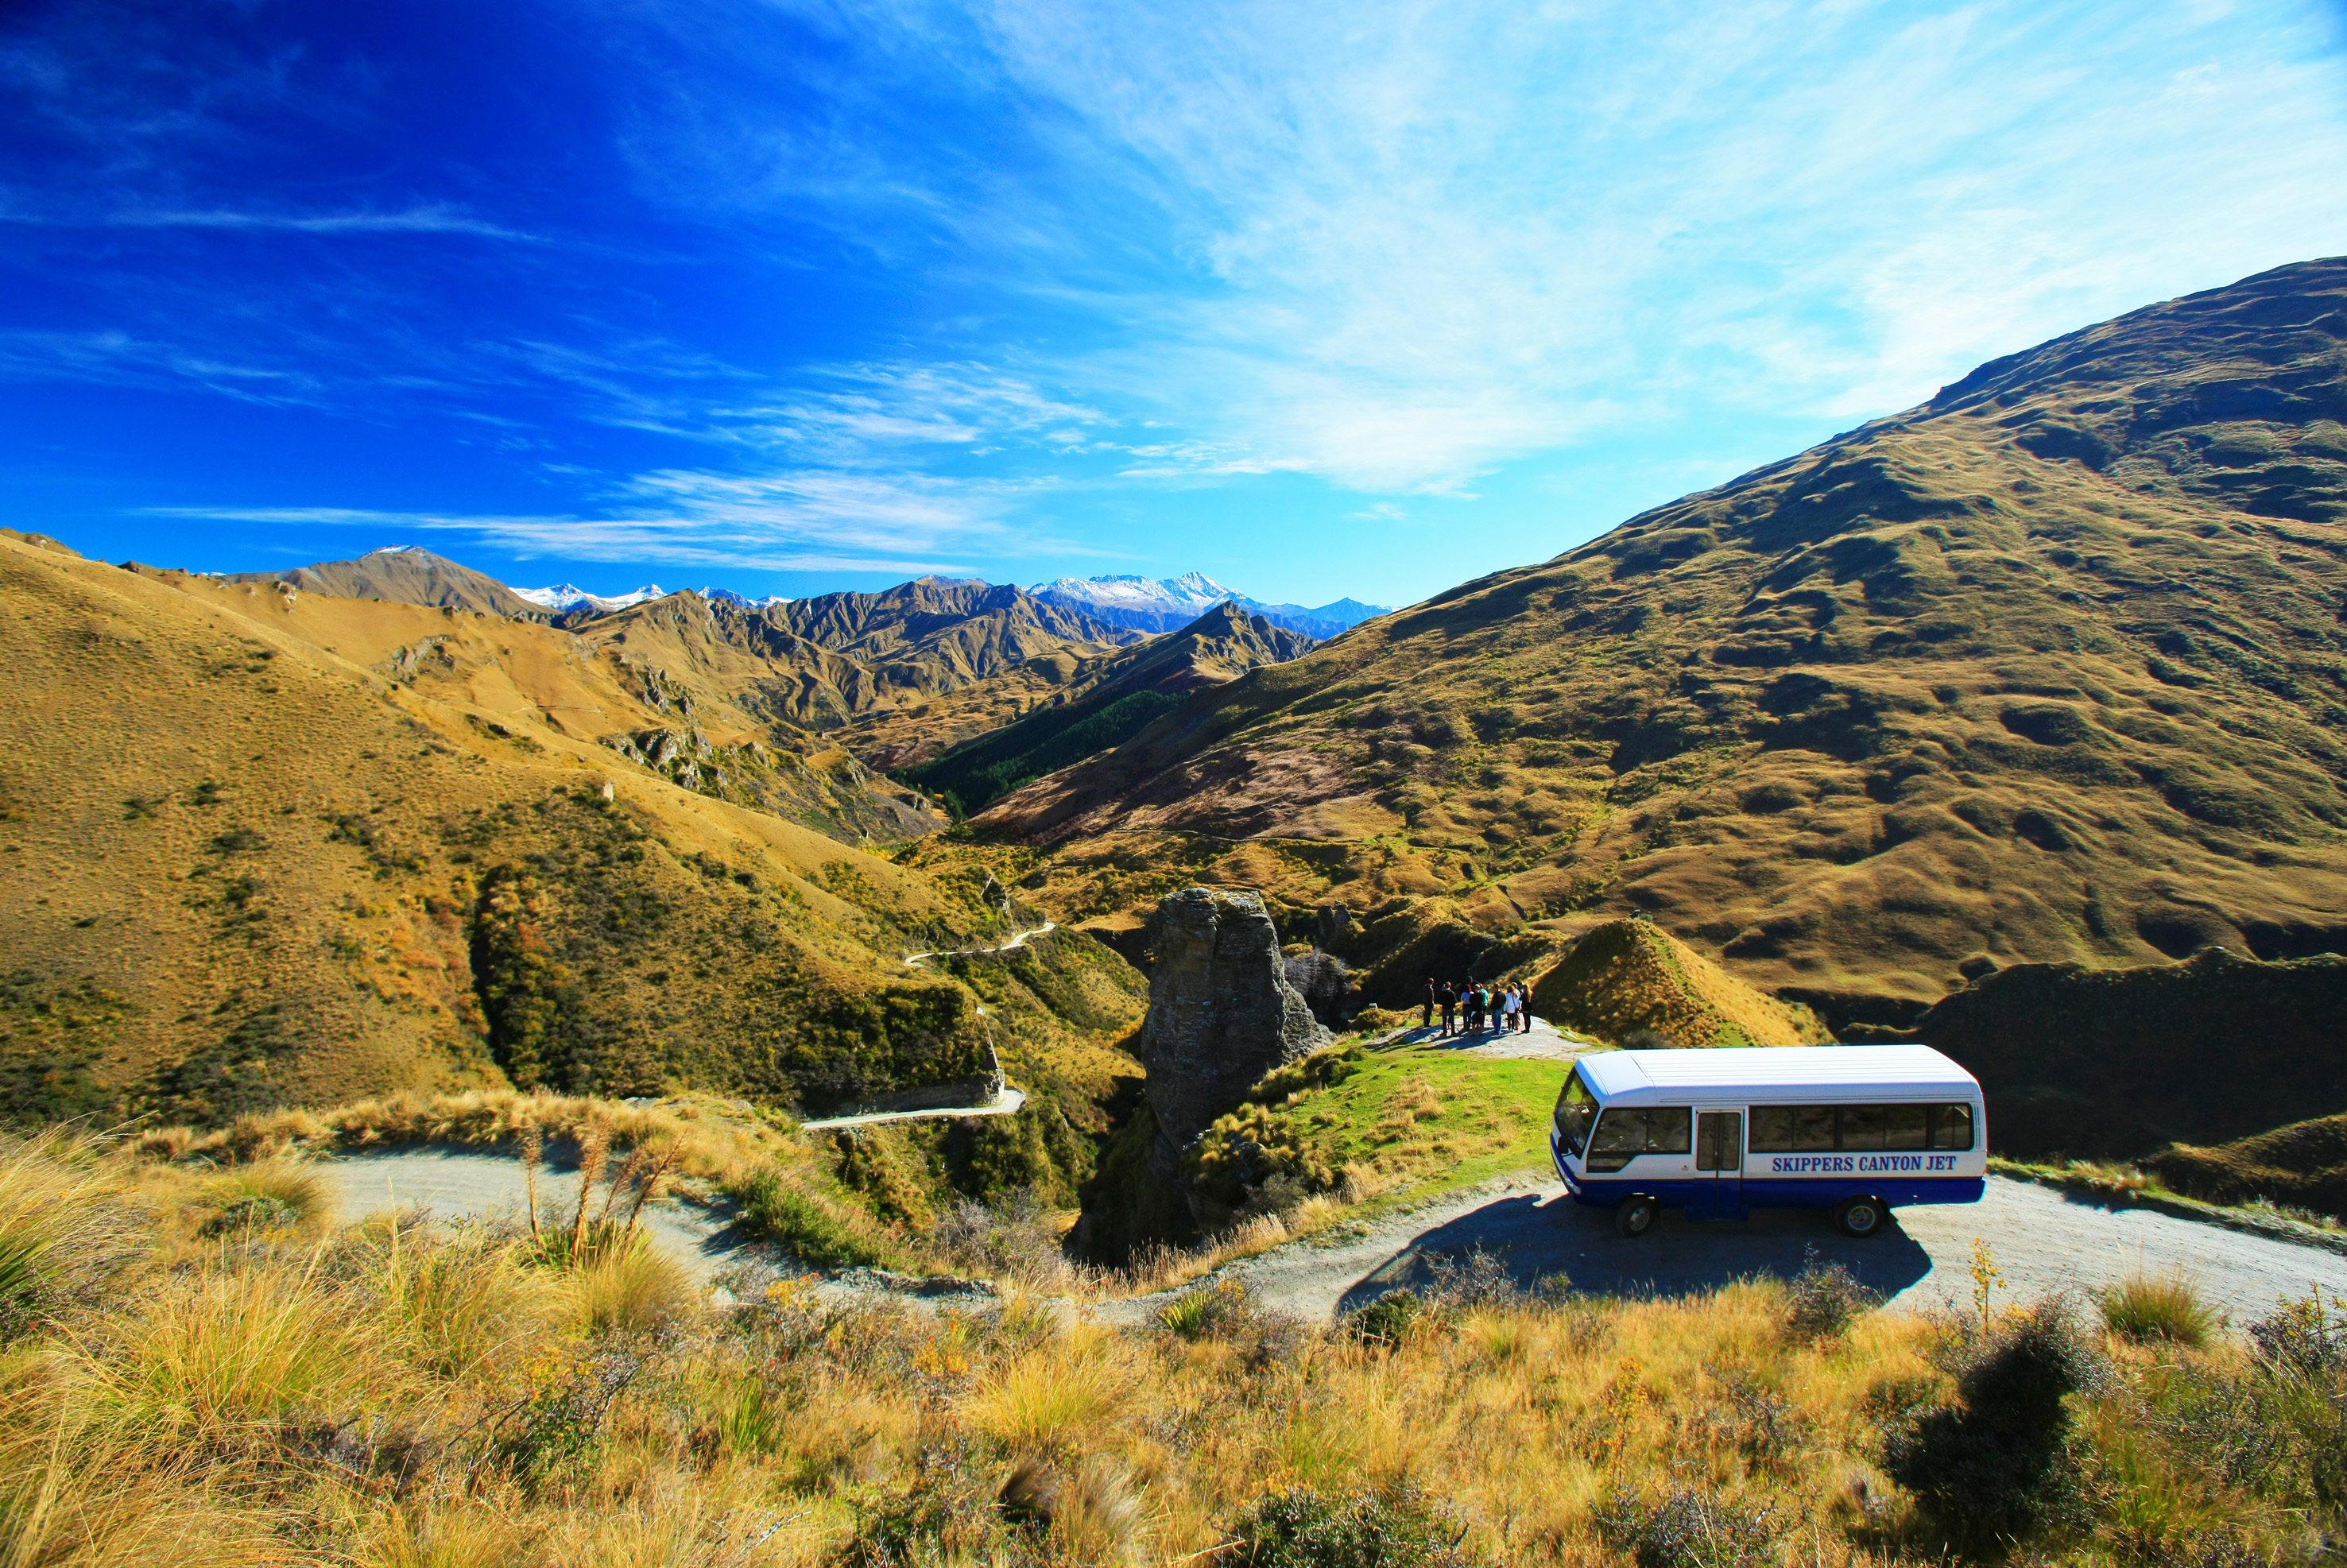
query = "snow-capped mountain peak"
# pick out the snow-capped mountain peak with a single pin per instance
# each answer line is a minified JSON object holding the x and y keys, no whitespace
{"x":727,"y":596}
{"x":1140,"y":592}
{"x":565,"y":595}
{"x":1168,"y":603}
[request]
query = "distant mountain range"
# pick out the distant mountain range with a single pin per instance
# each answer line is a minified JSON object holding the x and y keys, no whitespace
{"x":1143,"y":604}
{"x":563,"y":598}
{"x":1169,"y":603}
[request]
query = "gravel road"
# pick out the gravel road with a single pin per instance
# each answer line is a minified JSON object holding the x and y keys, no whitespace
{"x":453,"y":1183}
{"x":1006,"y":1103}
{"x":1017,"y":939}
{"x":2041,"y":1239}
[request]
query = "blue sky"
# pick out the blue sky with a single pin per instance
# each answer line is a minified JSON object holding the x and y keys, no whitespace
{"x":1322,"y":299}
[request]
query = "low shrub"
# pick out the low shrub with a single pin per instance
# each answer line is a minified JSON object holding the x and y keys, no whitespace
{"x":2169,"y":1306}
{"x":1389,"y":1320}
{"x":1689,"y":1527}
{"x":1210,"y":1312}
{"x":1304,"y":1528}
{"x":1825,"y":1298}
{"x":944,"y":1517}
{"x":2305,"y":1339}
{"x":1481,"y":1277}
{"x":1017,"y":1239}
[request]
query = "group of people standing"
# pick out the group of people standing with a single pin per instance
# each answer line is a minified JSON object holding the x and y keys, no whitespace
{"x":1469,"y":1008}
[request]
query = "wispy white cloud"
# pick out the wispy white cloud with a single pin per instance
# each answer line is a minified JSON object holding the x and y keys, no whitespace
{"x":430,"y":218}
{"x":128,"y":359}
{"x":1428,"y":238}
{"x":810,"y":519}
{"x":858,"y":415}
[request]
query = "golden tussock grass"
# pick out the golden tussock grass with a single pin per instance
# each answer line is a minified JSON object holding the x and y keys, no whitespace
{"x":423,"y":1396}
{"x":238,"y":1350}
{"x":715,"y":1140}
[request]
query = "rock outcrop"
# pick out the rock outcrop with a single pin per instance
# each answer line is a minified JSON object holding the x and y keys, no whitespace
{"x":1221,"y":1014}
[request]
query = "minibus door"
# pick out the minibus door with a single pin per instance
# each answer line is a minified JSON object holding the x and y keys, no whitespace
{"x":1719,"y":1166}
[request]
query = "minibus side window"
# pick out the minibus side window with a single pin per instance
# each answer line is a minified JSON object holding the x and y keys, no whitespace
{"x":1788,"y":1128}
{"x":1804,"y":1129}
{"x":1625,"y":1133}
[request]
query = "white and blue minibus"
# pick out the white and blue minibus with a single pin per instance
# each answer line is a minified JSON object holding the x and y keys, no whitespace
{"x":1857,"y":1129}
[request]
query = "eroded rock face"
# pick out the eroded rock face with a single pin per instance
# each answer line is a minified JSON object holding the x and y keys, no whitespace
{"x":1221,"y":1013}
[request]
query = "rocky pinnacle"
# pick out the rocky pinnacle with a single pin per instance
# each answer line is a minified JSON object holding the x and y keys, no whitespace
{"x":1221,"y":1013}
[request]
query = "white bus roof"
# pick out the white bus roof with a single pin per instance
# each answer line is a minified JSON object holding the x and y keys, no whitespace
{"x":1780,"y":1074}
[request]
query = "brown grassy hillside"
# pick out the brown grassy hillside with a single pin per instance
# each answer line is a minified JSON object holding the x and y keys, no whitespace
{"x":664,"y":686}
{"x":407,"y":576}
{"x":816,"y":663}
{"x":241,"y":869}
{"x":1631,"y":982}
{"x":2050,"y":668}
{"x":1221,"y":645}
{"x":1109,"y":699}
{"x":2119,"y":1062}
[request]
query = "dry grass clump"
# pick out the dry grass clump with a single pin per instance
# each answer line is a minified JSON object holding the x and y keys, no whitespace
{"x":65,"y":1230}
{"x":2160,"y":1307}
{"x":273,"y":1194}
{"x":237,"y":1352}
{"x":2109,"y":1180}
{"x":1162,"y":1269}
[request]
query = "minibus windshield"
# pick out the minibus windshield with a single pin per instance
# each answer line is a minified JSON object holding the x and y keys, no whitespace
{"x":1576,"y":1111}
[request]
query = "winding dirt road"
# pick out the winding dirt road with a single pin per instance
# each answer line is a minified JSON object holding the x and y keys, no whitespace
{"x":2041,"y":1240}
{"x":1017,"y":939}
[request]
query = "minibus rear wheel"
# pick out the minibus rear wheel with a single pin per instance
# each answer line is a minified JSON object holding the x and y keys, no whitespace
{"x":1860,"y":1217}
{"x":1636,"y":1215}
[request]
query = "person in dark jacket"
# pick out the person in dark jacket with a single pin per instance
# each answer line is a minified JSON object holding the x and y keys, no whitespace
{"x":1432,"y":1002}
{"x":1450,"y":999}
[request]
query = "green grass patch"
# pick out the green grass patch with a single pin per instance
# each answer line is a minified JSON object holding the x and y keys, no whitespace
{"x":1432,"y":1119}
{"x":818,"y":1234}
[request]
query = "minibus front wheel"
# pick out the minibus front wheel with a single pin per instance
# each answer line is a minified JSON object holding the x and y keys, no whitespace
{"x":1635,"y":1214}
{"x":1861,"y":1215}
